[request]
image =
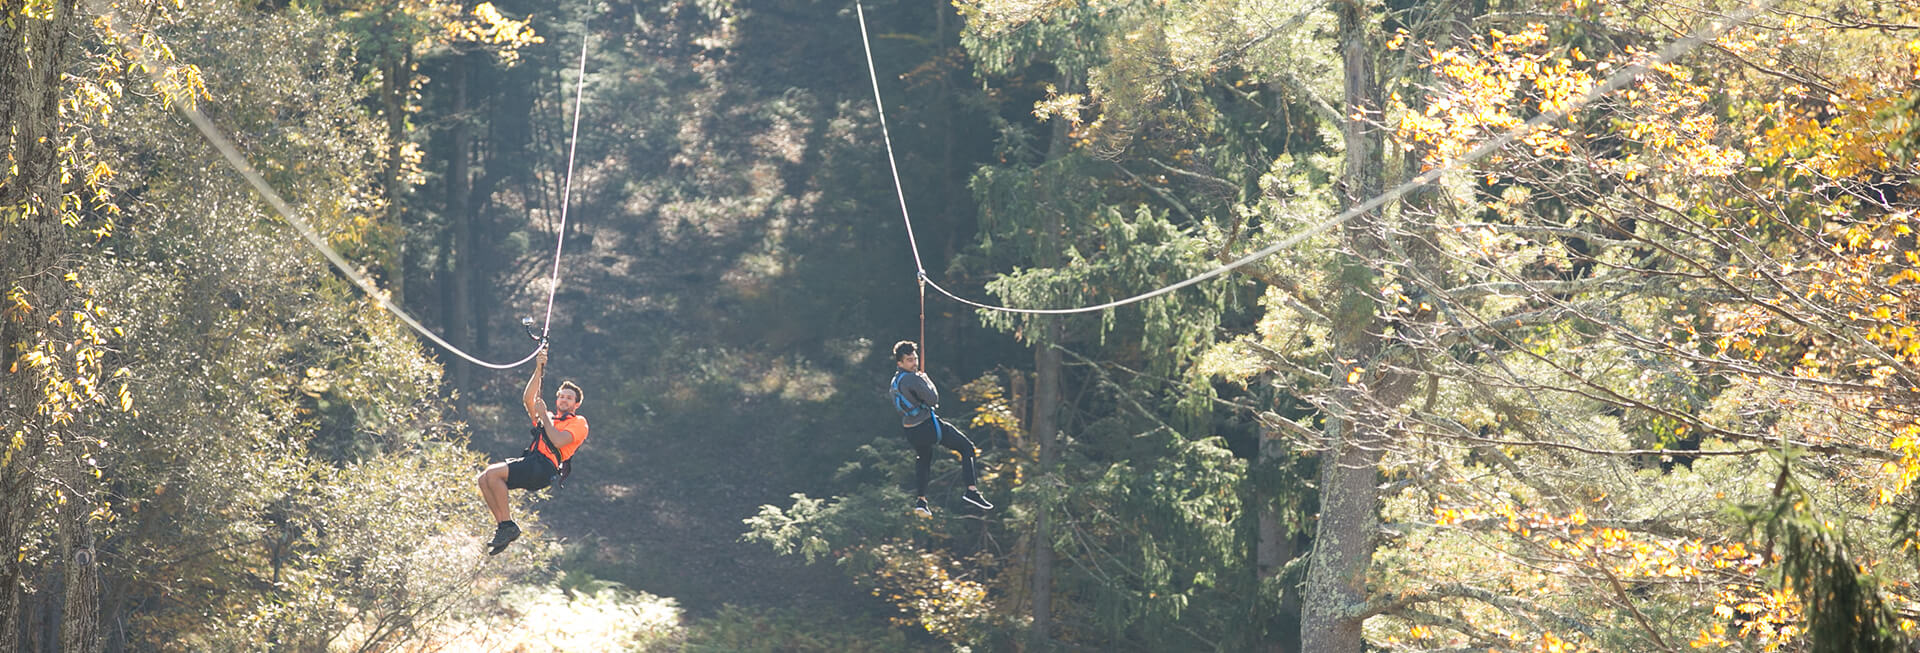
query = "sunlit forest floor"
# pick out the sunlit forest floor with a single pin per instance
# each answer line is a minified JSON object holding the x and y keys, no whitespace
{"x":666,"y":535}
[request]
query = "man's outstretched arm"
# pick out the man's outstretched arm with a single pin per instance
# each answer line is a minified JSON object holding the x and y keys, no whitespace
{"x":536,"y":409}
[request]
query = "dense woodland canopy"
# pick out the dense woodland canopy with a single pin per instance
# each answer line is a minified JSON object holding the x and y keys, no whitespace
{"x":1640,"y":375}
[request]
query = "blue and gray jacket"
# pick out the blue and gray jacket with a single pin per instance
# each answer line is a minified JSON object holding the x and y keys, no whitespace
{"x":914,"y":396}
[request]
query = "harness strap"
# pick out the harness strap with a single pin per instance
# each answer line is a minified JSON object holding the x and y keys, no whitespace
{"x":561,"y":470}
{"x":909,"y":408}
{"x":901,"y":403}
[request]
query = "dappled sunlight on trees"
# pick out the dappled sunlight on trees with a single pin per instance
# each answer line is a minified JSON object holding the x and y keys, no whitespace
{"x":1639,"y":378}
{"x":1573,"y":379}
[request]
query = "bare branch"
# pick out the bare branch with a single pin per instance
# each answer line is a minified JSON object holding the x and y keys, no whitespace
{"x":1511,"y":605}
{"x":1292,"y":83}
{"x":1626,"y":600}
{"x":1189,"y":173}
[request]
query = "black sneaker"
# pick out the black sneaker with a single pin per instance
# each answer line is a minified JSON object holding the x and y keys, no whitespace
{"x":503,"y":535}
{"x":920,"y":508}
{"x":973,"y":497}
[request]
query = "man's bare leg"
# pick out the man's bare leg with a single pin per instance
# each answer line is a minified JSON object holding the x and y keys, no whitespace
{"x":493,"y":490}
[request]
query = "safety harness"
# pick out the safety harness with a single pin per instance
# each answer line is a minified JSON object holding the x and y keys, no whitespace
{"x":910,"y":408}
{"x":566,"y":466}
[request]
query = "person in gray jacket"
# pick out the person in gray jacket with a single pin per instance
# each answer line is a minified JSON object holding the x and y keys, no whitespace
{"x":915,"y":397}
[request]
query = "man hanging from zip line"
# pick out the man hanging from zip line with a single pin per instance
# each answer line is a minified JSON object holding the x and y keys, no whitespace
{"x":539,"y":465}
{"x":915,"y":397}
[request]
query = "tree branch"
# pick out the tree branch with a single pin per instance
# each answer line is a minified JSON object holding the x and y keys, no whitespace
{"x":1534,"y":287}
{"x":1292,"y":83}
{"x":1627,"y":600}
{"x":1278,"y":359}
{"x":1506,"y":603}
{"x":1195,"y":175}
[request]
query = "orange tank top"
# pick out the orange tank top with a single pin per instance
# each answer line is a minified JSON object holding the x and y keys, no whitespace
{"x":574,"y":425}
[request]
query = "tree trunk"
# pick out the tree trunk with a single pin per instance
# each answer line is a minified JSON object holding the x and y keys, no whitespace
{"x":460,"y":212}
{"x":31,"y":236}
{"x":1274,"y":547}
{"x":1343,"y":542}
{"x":395,"y":85}
{"x":1046,"y":409}
{"x":42,"y":620}
{"x":80,"y":616}
{"x":1360,"y":408}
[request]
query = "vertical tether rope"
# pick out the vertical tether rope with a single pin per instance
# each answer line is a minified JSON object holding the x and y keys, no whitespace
{"x":923,"y":323}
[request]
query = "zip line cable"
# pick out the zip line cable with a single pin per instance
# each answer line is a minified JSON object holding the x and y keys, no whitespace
{"x":1626,"y":75}
{"x":566,"y":193}
{"x":913,"y":245}
{"x":313,"y":237}
{"x":882,"y":109}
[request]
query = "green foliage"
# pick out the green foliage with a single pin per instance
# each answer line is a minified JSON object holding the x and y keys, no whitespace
{"x":1152,"y":526}
{"x":794,"y":530}
{"x":1149,"y":510}
{"x":1846,"y":605}
{"x":1010,"y":37}
{"x":1684,"y":266}
{"x":1157,"y":549}
{"x":745,"y":630}
{"x":288,"y":476}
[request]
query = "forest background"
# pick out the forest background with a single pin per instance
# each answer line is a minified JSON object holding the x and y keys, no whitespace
{"x":1641,"y":378}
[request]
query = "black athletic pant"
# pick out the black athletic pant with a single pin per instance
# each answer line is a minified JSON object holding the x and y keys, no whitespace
{"x":938,"y":431}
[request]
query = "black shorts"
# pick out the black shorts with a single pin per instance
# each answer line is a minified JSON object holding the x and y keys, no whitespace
{"x":531,"y":471}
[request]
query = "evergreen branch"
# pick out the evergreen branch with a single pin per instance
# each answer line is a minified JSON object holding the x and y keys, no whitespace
{"x":1844,"y":606}
{"x":1773,"y":307}
{"x":1224,"y":403}
{"x":1829,"y":449}
{"x":1535,"y":287}
{"x":1591,"y":238}
{"x":1487,"y":642}
{"x":1607,"y":395}
{"x":1510,"y":605}
{"x":1297,"y":86}
{"x":1275,"y":30}
{"x":1852,"y":24}
{"x":1189,"y":173}
{"x":1107,"y":382}
{"x":1516,"y":320}
{"x":1650,"y":525}
{"x":1278,"y":359}
{"x":1296,"y":297}
{"x":1274,"y":420}
{"x":1602,"y":393}
{"x":1635,"y":338}
{"x":1620,"y":591}
{"x":1295,"y":569}
{"x":1608,"y":452}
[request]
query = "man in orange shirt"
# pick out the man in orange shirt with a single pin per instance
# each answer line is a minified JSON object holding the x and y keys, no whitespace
{"x":539,"y":464}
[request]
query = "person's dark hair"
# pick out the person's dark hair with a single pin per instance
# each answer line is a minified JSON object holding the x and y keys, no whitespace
{"x":904,"y":347}
{"x":579,"y":396}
